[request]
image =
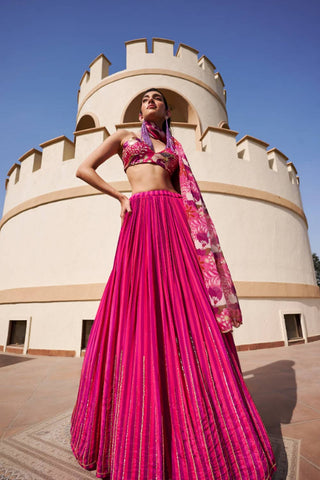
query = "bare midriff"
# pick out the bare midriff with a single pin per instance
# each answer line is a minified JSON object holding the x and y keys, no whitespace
{"x":146,"y":177}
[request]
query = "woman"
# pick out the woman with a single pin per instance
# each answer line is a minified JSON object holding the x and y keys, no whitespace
{"x":161,"y":394}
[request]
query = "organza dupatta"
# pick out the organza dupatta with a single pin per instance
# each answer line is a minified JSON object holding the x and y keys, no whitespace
{"x":216,"y":274}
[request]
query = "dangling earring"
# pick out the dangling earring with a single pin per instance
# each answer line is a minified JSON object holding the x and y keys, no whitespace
{"x":170,"y":143}
{"x":145,"y":135}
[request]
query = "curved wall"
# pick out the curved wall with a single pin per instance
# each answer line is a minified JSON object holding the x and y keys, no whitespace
{"x":54,"y":262}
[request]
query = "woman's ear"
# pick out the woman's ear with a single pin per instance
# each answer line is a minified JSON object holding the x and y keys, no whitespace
{"x":140,"y":117}
{"x":168,"y":114}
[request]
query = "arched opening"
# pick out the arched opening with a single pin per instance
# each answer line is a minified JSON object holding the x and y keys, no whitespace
{"x":181,"y":110}
{"x":85,"y":122}
{"x":224,"y":125}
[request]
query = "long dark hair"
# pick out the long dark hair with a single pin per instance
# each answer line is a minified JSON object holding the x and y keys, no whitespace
{"x":165,"y":102}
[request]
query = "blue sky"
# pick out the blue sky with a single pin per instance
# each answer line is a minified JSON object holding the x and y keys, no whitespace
{"x":267,"y":53}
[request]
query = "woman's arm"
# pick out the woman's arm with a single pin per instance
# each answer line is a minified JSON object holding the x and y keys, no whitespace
{"x":87,"y":169}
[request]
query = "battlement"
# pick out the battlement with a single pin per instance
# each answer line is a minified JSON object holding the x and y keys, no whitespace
{"x":251,"y":148}
{"x":215,"y":157}
{"x":248,"y":163}
{"x":98,"y":70}
{"x":222,"y":159}
{"x":39,"y":172}
{"x":185,"y":61}
{"x":161,"y":59}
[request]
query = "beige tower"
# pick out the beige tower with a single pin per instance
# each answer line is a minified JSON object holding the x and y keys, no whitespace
{"x":58,"y":236}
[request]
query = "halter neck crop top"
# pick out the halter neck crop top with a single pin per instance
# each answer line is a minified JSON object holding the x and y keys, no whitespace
{"x":135,"y":151}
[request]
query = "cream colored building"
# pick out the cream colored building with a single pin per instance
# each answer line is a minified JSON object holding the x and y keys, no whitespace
{"x":58,"y":235}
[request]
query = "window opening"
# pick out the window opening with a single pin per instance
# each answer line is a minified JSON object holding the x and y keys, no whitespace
{"x":293,"y":326}
{"x":85,"y":123}
{"x":292,"y":178}
{"x":17,"y":332}
{"x":241,"y":154}
{"x":86,"y":328}
{"x":17,"y":176}
{"x":272,"y":164}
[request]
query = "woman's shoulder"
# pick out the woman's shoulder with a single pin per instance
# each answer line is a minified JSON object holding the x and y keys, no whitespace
{"x":124,"y":135}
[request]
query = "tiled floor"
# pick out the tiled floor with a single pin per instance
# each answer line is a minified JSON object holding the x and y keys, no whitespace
{"x":284,"y":382}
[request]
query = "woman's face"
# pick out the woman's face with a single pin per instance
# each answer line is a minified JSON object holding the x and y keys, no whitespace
{"x":153,"y":108}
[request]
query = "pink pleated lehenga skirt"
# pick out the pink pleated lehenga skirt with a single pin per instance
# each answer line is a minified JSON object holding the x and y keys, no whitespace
{"x":161,"y":394}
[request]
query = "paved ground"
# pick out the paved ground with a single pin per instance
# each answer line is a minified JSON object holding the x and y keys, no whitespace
{"x":284,"y":382}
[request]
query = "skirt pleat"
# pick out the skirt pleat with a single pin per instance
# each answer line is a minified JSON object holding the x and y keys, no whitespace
{"x":161,"y":394}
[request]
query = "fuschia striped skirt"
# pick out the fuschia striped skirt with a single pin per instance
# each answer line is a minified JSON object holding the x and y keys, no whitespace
{"x":161,"y":394}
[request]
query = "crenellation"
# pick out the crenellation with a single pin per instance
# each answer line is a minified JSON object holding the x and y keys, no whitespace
{"x":251,"y":139}
{"x":99,"y":69}
{"x":292,"y":171}
{"x":84,"y":86}
{"x":87,"y":140}
{"x":252,"y":150}
{"x":219,"y":78}
{"x":13,"y":174}
{"x":219,"y":141}
{"x":161,"y":60}
{"x":11,"y":169}
{"x":56,"y":150}
{"x":30,"y":162}
{"x":85,"y":78}
{"x":135,"y":52}
{"x":187,"y":135}
{"x":244,"y":163}
{"x":246,"y":159}
{"x":211,"y":131}
{"x":162,"y":57}
{"x":276,"y":159}
{"x":188,"y":54}
{"x":206,"y":64}
{"x":219,"y":84}
{"x":140,"y":43}
{"x":291,"y":167}
{"x":162,"y":47}
{"x":278,"y":153}
{"x":28,"y":154}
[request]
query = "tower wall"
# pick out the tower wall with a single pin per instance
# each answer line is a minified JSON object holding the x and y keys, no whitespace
{"x":183,"y":72}
{"x":58,"y":236}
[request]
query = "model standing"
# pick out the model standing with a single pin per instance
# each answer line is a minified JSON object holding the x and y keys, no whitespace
{"x":161,"y":394}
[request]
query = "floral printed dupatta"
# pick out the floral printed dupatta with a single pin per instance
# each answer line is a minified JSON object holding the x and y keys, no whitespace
{"x":216,"y":274}
{"x":214,"y":268}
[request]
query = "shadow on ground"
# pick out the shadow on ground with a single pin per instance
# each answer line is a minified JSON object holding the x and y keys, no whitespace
{"x":274,"y":391}
{"x":6,"y":360}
